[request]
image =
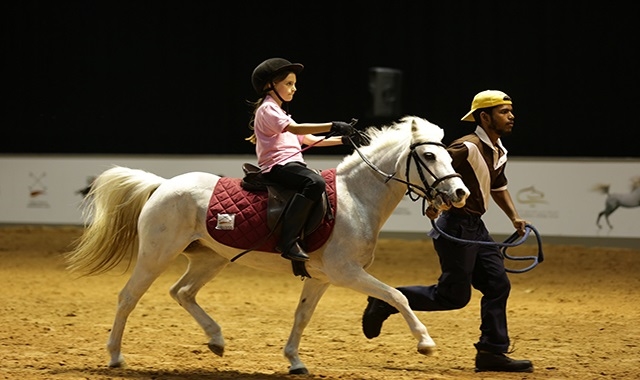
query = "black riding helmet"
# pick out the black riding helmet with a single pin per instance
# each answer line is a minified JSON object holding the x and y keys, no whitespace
{"x":269,"y":69}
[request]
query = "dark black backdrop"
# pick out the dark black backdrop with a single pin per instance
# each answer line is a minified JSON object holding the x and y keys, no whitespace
{"x":173,"y":77}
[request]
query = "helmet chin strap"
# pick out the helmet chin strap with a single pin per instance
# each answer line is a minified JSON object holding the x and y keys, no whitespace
{"x":285,"y":104}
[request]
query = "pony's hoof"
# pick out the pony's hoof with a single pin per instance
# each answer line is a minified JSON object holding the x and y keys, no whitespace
{"x":299,"y":371}
{"x":427,"y":349}
{"x":118,"y":365}
{"x":118,"y":362}
{"x":218,"y":350}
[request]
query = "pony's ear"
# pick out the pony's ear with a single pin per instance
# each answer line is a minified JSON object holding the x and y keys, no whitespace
{"x":415,"y":130}
{"x":414,"y":126}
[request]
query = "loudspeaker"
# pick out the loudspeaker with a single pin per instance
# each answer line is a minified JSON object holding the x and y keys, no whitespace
{"x":385,"y":86}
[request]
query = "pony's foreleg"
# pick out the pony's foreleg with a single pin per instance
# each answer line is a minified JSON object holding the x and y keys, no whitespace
{"x":365,"y":283}
{"x":312,"y":291}
{"x":426,"y":345}
{"x":128,"y":298}
{"x":203,"y":266}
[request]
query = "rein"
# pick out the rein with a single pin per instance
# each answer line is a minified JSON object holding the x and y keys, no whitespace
{"x":293,"y":154}
{"x":331,"y":134}
{"x":429,"y":191}
{"x":509,"y":242}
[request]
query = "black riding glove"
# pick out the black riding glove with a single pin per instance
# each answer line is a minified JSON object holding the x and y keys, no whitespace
{"x":358,"y":138}
{"x":341,"y":128}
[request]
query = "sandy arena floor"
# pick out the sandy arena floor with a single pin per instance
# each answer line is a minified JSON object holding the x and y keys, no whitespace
{"x":576,"y":316}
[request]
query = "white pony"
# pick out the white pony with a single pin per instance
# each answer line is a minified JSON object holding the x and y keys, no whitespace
{"x":131,"y":211}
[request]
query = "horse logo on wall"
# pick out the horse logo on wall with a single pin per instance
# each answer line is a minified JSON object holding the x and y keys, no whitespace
{"x":616,"y":200}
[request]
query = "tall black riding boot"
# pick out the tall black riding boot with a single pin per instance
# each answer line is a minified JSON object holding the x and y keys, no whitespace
{"x":293,"y":221}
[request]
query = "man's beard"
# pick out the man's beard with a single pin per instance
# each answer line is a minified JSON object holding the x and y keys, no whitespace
{"x":500,"y":132}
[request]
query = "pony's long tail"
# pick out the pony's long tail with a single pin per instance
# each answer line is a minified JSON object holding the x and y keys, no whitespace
{"x":111,"y":211}
{"x":601,"y":188}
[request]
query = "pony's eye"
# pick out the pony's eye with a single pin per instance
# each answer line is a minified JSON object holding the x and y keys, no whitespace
{"x":429,"y":156}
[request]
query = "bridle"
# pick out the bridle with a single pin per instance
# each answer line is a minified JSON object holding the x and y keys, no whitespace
{"x":430,"y":191}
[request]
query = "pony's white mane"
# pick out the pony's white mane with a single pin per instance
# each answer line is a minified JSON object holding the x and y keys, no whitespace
{"x":391,"y":136}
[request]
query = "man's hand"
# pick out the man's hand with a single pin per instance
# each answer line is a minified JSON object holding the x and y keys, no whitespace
{"x":432,"y":212}
{"x":520,"y":225}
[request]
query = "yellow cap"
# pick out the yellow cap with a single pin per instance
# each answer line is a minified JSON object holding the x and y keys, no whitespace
{"x":486,"y":99}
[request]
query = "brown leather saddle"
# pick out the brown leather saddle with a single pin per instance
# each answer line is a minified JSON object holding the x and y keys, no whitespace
{"x":279,"y":198}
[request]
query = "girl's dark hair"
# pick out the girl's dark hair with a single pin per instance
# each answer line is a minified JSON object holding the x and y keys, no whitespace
{"x":254,"y":106}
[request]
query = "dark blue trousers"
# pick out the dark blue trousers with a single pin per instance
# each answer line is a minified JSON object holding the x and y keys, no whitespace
{"x":463,"y":266}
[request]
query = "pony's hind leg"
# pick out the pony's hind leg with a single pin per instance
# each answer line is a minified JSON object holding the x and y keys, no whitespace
{"x":600,"y":214}
{"x":203,"y":266}
{"x":139,"y":282}
{"x":609,"y":209}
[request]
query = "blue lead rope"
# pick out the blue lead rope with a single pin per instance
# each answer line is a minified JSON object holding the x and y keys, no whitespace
{"x":511,"y":241}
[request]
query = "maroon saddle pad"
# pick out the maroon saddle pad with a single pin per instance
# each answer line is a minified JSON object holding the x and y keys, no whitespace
{"x":238,"y":218}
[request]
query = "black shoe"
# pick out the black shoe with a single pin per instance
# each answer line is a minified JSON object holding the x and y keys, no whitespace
{"x":375,"y":314}
{"x":498,"y":362}
{"x":295,"y":253}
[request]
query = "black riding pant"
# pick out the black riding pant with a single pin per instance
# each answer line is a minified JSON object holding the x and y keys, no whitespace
{"x":296,"y":176}
{"x":465,"y":265}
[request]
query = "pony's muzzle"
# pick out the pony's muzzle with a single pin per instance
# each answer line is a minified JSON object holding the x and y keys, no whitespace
{"x":460,"y":198}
